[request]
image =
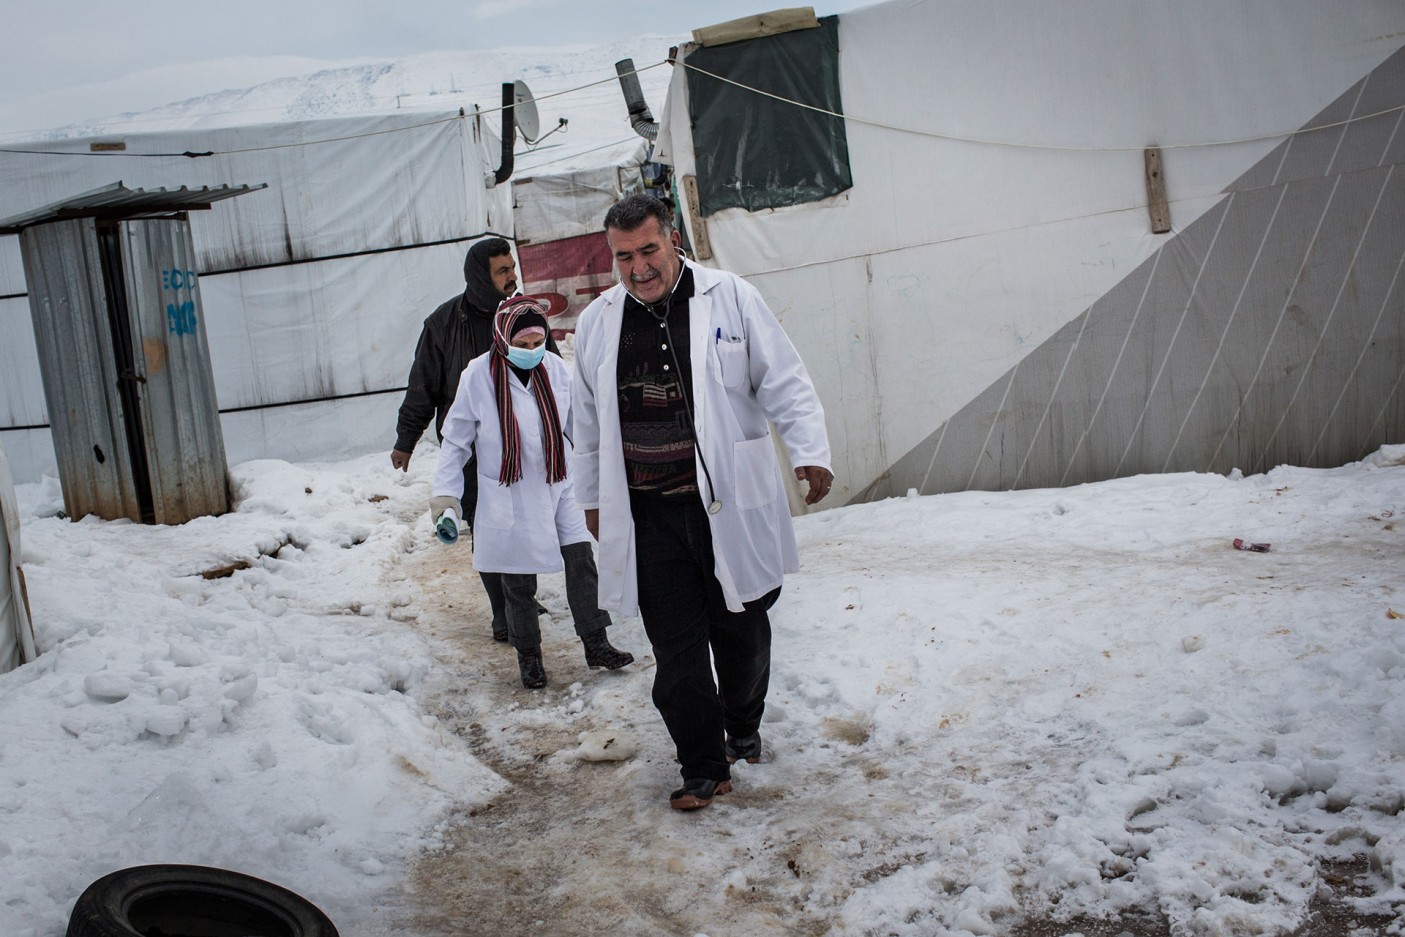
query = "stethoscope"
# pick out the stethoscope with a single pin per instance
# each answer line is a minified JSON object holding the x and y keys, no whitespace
{"x":662,"y":318}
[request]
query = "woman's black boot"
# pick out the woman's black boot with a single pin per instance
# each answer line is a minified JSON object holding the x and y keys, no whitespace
{"x":529,"y":661}
{"x":600,"y":653}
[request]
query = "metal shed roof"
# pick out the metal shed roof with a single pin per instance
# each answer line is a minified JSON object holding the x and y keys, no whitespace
{"x":118,"y":201}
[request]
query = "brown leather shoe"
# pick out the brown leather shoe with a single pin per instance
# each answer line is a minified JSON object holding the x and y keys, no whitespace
{"x":697,"y":793}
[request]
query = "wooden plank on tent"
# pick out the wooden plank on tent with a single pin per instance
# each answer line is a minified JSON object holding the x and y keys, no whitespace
{"x":697,"y":227}
{"x":753,"y":27}
{"x":1156,"y":203}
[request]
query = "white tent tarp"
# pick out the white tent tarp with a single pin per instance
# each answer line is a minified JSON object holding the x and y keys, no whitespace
{"x":562,"y":190}
{"x":314,"y":288}
{"x":987,"y":306}
{"x":561,"y":246}
{"x":16,"y":631}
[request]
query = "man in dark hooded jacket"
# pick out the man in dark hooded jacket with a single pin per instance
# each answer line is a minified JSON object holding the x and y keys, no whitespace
{"x":458,"y":331}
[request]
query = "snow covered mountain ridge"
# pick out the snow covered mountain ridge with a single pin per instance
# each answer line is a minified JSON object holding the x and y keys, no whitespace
{"x":574,"y":82}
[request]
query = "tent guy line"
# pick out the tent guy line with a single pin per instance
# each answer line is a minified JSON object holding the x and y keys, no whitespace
{"x":613,"y":79}
{"x":898,"y":128}
{"x":969,"y":236}
{"x":538,"y":167}
{"x":1045,"y":146}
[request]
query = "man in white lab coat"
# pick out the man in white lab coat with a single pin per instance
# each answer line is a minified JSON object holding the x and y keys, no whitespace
{"x":679,"y":372}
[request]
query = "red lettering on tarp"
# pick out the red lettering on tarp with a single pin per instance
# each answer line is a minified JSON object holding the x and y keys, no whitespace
{"x":555,"y":302}
{"x":568,"y":274}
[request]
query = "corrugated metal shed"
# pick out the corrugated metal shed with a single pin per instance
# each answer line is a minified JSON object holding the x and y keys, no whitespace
{"x":174,"y":383}
{"x":124,"y":354}
{"x":118,"y":201}
{"x":73,"y":335}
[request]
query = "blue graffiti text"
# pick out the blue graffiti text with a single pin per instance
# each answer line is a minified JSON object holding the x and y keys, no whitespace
{"x":178,"y":279}
{"x":181,"y":319}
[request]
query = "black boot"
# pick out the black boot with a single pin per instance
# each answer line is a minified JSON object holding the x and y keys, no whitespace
{"x":529,"y":661}
{"x":697,"y":793}
{"x":492,"y":585}
{"x":600,"y":653}
{"x":744,"y":748}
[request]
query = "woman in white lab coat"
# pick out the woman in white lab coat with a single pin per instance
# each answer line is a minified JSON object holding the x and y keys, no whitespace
{"x":510,"y":404}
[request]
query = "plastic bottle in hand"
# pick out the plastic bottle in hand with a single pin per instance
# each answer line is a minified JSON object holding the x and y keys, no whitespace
{"x":447,"y":527}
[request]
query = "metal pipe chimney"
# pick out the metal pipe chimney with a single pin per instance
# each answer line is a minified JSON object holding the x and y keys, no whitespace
{"x":639,"y":117}
{"x":509,"y":133}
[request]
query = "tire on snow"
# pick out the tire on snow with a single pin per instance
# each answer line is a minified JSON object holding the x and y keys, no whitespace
{"x":193,"y":901}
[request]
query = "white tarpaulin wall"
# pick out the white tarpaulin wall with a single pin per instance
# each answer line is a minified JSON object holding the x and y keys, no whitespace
{"x":563,"y":187}
{"x":16,"y":632}
{"x":555,"y":200}
{"x":314,"y":289}
{"x":559,"y":211}
{"x":987,"y":307}
{"x":562,"y":190}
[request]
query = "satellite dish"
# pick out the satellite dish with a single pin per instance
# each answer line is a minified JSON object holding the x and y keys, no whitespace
{"x":524,"y":110}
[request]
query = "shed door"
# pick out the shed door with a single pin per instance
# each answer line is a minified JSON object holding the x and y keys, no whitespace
{"x":68,"y":303}
{"x":174,"y":385}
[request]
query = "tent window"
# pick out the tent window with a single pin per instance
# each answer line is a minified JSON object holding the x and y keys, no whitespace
{"x":756,"y":152}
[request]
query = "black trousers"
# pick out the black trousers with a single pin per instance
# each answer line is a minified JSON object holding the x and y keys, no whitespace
{"x":693,"y":633}
{"x":492,"y":582}
{"x":582,"y":594}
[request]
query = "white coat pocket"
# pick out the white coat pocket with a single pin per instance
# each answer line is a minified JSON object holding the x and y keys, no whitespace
{"x":731,"y":361}
{"x":494,"y":504}
{"x":757,"y":483}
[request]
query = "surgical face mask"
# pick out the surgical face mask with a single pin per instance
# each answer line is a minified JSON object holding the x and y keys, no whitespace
{"x":526,"y":358}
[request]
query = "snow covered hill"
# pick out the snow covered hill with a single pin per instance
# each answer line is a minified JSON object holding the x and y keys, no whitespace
{"x":578,"y":83}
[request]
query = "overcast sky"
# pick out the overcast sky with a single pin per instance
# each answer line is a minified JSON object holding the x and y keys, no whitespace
{"x":63,"y":61}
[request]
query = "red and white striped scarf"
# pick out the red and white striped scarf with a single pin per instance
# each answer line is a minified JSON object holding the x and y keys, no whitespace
{"x":540,"y":383}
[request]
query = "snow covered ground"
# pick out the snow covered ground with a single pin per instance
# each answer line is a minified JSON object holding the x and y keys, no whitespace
{"x":1066,"y":706}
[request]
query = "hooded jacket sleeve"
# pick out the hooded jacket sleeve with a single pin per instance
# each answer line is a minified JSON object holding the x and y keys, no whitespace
{"x":426,"y":375}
